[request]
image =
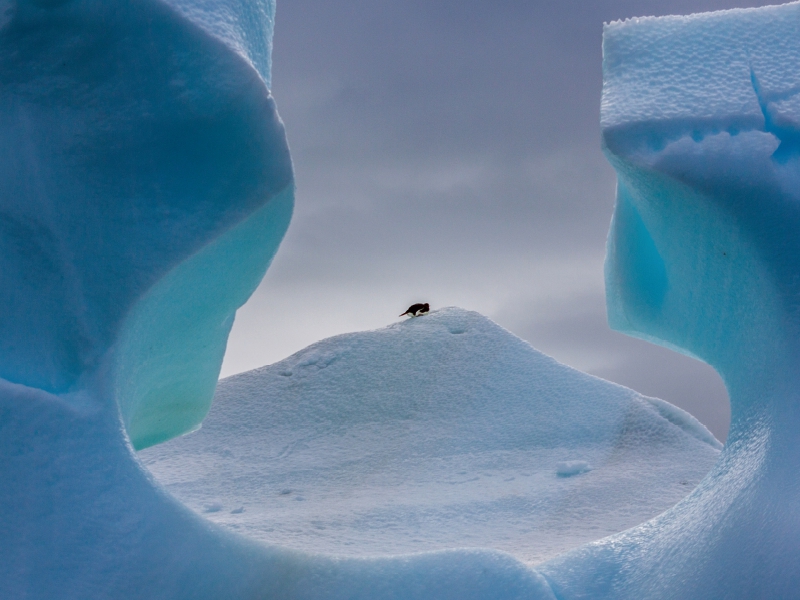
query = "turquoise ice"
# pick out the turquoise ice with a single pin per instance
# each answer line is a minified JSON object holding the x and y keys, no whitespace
{"x":701,"y":120}
{"x":145,"y":184}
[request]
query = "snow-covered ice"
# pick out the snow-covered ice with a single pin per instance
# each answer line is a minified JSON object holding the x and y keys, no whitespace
{"x":701,"y":120}
{"x":145,"y":183}
{"x":437,"y":432}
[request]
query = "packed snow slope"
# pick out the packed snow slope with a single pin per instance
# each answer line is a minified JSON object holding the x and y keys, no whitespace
{"x":701,"y":119}
{"x":437,"y":432}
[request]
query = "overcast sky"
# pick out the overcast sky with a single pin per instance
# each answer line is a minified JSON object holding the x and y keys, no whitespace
{"x":448,"y":151}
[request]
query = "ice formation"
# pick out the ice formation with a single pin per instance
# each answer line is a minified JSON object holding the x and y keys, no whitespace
{"x":145,"y":184}
{"x":140,"y":154}
{"x":701,"y":120}
{"x":432,"y":433}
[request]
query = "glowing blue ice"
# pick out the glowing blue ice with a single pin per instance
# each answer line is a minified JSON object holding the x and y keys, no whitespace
{"x":145,"y":184}
{"x":701,"y":120}
{"x":131,"y":139}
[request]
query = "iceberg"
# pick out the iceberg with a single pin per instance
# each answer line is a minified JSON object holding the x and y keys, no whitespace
{"x":701,"y":120}
{"x":432,"y":433}
{"x":145,"y":185}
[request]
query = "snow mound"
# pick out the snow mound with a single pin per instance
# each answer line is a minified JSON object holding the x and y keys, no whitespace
{"x":436,"y":432}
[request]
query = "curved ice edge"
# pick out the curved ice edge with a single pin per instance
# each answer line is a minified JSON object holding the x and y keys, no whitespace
{"x":457,"y":574}
{"x":651,"y":138}
{"x":195,"y":312}
{"x":159,"y":549}
{"x":245,"y":28}
{"x":684,"y":420}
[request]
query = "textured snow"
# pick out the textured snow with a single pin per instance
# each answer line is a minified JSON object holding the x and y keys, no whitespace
{"x":437,"y":432}
{"x":700,"y":119}
{"x":244,"y":26}
{"x":699,"y":74}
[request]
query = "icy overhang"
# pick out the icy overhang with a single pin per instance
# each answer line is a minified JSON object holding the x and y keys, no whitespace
{"x":145,"y":183}
{"x":700,"y":119}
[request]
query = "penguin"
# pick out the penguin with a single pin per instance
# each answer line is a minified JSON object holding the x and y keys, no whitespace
{"x":415,"y":310}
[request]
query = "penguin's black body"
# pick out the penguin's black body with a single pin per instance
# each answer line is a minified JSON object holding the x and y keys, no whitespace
{"x":415,"y":310}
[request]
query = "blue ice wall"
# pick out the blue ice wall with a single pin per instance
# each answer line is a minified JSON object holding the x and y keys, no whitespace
{"x":145,"y":185}
{"x":701,"y":120}
{"x":134,"y":134}
{"x":170,"y":351}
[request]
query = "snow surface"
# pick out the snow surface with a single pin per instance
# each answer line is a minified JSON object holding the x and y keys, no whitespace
{"x":436,"y":432}
{"x":700,"y":119}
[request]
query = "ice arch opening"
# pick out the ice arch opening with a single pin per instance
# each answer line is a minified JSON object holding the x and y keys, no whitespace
{"x":140,"y":148}
{"x":145,"y":183}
